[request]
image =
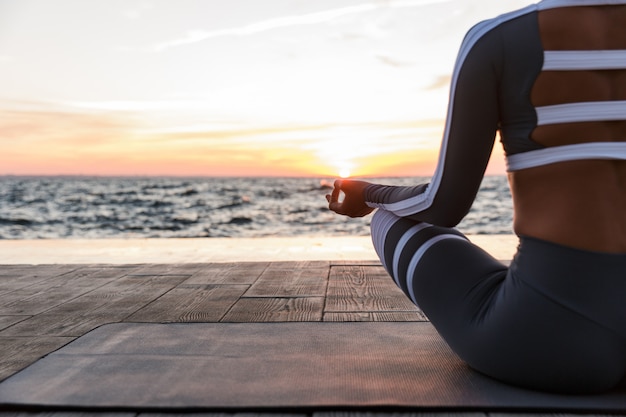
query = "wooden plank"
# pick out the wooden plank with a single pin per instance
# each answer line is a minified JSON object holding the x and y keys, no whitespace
{"x":68,"y":414}
{"x":63,"y":290}
{"x":108,"y":303}
{"x":67,"y":325}
{"x":364,"y":289}
{"x":228,"y":273}
{"x":204,"y":414}
{"x":19,"y":352}
{"x":209,"y":414}
{"x":41,"y":270}
{"x":293,"y":265}
{"x":376,"y":316}
{"x":252,"y":310}
{"x":311,"y":269}
{"x":191,"y":303}
{"x":6,"y":321}
{"x":363,"y":262}
{"x":351,"y":303}
{"x":167,"y":269}
{"x":49,"y":293}
{"x":39,"y":283}
{"x":413,"y":414}
{"x":124,"y":295}
{"x":287,"y":288}
{"x":100,"y":272}
{"x":556,"y":414}
{"x":16,"y":278}
{"x":278,"y":281}
{"x":109,"y":271}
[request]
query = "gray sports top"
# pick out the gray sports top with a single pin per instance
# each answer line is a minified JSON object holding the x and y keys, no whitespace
{"x":496,"y":68}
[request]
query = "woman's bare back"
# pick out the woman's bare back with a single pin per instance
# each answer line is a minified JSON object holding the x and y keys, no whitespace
{"x":580,"y":204}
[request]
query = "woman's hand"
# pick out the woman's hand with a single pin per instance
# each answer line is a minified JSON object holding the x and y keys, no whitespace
{"x":353,"y":203}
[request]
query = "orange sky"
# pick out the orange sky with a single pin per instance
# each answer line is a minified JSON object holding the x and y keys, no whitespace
{"x":228,"y":87}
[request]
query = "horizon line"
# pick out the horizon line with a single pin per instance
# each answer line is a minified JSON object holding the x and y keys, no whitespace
{"x":217,"y":176}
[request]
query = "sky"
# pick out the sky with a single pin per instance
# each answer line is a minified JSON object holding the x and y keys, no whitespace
{"x":229,"y":87}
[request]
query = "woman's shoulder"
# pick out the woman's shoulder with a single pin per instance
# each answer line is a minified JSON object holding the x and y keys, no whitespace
{"x":481,"y":29}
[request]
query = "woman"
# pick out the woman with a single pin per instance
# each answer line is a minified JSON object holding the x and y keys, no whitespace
{"x":551,"y":78}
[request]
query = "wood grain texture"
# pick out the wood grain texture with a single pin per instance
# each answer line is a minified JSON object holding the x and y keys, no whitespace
{"x":296,"y":282}
{"x":19,"y":352}
{"x":191,"y":303}
{"x":364,"y":289}
{"x":252,"y":310}
{"x":376,"y":316}
{"x":228,"y":273}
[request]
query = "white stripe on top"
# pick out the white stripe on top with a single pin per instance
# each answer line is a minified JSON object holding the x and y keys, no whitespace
{"x":591,"y":111}
{"x":551,"y":155}
{"x":550,"y":4}
{"x":584,"y":60}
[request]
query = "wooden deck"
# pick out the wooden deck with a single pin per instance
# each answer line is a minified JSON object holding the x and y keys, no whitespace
{"x":43,"y":307}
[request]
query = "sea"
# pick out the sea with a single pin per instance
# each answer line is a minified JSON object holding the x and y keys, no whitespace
{"x":174,"y":207}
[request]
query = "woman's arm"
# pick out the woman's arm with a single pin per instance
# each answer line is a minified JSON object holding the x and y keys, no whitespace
{"x":469,"y":134}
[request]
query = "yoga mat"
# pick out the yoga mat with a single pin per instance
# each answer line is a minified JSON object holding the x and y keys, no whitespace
{"x":271,"y":366}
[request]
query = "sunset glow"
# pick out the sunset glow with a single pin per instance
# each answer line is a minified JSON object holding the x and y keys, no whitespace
{"x":229,"y":87}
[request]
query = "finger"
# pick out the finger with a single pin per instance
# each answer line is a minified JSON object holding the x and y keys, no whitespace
{"x":336,"y":191}
{"x":335,"y":206}
{"x":338,"y":187}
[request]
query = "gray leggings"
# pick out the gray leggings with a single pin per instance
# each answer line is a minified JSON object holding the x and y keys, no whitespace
{"x":554,"y":320}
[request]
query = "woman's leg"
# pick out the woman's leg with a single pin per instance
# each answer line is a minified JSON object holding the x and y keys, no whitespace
{"x":442,"y":255}
{"x":494,"y":321}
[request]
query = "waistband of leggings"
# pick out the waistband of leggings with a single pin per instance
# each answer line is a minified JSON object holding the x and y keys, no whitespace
{"x":592,"y":284}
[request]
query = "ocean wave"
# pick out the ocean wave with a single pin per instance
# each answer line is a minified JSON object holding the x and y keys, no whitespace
{"x":80,"y":207}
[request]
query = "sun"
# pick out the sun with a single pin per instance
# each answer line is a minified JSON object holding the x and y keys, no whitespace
{"x":344,"y":172}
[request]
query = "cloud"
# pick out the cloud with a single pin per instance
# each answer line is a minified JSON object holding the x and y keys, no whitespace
{"x":392,"y":62}
{"x":442,"y":81}
{"x":324,"y":16}
{"x":59,"y":129}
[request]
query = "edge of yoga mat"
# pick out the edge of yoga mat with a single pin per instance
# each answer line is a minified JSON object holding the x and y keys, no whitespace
{"x":271,"y":366}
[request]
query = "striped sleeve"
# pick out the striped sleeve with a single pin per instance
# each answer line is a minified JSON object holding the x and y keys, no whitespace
{"x":471,"y":125}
